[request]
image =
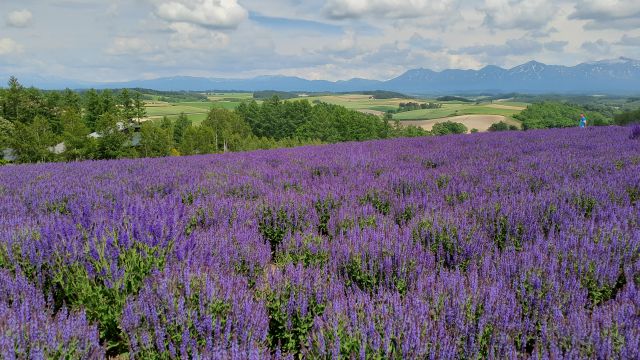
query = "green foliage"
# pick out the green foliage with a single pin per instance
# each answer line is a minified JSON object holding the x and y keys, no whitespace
{"x":358,"y":276}
{"x":6,"y":131}
{"x":31,"y":142}
{"x":454,"y":98}
{"x":442,"y":241}
{"x":198,"y":140}
{"x":229,"y":129}
{"x":95,"y":284}
{"x":93,"y":109}
{"x":103,"y":293}
{"x":558,"y":115}
{"x":502,"y":126}
{"x":75,"y":137}
{"x":274,"y":225}
{"x":628,"y":117}
{"x":112,"y":141}
{"x":310,"y":253}
{"x":180,"y":127}
{"x":597,"y":291}
{"x":585,"y":204}
{"x":289,"y":332}
{"x":154,"y":140}
{"x":383,"y":206}
{"x":324,"y":208}
{"x":299,"y":119}
{"x":448,"y":127}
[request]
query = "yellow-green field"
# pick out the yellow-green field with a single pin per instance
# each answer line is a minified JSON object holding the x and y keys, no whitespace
{"x":457,"y":109}
{"x":197,"y":111}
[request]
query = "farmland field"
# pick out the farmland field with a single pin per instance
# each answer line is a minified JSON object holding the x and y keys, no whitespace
{"x":479,"y":122}
{"x":510,"y":245}
{"x":364,"y":103}
{"x":457,"y":109}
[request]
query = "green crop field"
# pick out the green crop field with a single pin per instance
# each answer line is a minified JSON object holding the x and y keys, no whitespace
{"x":454,"y":109}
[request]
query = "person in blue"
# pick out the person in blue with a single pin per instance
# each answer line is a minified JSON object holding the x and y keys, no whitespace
{"x":583,"y":121}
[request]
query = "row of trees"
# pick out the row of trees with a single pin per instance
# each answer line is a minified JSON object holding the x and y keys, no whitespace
{"x":43,"y":126}
{"x":558,"y":115}
{"x":325,"y":122}
{"x":628,"y":117}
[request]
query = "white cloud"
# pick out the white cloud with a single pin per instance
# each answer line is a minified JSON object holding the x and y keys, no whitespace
{"x":518,"y":14}
{"x":9,"y":46}
{"x":598,"y":47}
{"x":129,"y":45}
{"x":608,"y":14}
{"x":510,"y":47}
{"x":215,"y":14}
{"x":189,"y":36}
{"x":394,"y":9}
{"x":627,"y":40}
{"x":19,"y":18}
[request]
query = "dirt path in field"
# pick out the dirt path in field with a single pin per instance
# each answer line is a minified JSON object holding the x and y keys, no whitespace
{"x":480,"y":122}
{"x":506,"y":107}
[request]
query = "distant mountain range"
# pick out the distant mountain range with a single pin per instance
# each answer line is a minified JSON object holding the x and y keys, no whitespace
{"x":617,"y":76}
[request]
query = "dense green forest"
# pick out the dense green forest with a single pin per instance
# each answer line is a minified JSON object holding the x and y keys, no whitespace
{"x":38,"y":126}
{"x":559,"y":115}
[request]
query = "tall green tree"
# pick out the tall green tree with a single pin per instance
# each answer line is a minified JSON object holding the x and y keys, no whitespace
{"x":12,"y":100}
{"x":108,"y":102}
{"x":126,"y":104}
{"x":78,"y":144}
{"x":93,"y":109}
{"x":31,"y":142}
{"x":155,"y":141}
{"x":229,"y":129}
{"x":138,"y":104}
{"x":70,"y":101}
{"x":180,"y":127}
{"x":6,"y":132}
{"x":198,"y":140}
{"x":112,"y":141}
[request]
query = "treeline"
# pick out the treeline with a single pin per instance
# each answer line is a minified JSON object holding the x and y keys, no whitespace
{"x":628,"y":117}
{"x":411,"y":106}
{"x":325,"y":122}
{"x":37,"y":126}
{"x":558,"y":115}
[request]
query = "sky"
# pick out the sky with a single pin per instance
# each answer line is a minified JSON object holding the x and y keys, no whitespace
{"x":120,"y":40}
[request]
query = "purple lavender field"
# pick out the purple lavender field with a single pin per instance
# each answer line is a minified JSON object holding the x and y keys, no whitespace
{"x":506,"y":245}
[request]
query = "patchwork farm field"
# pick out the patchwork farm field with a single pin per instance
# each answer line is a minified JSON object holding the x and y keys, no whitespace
{"x":197,"y":111}
{"x":510,"y":245}
{"x":478,"y":122}
{"x":458,"y":109}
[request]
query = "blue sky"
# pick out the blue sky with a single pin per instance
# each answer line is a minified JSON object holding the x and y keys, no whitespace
{"x":116,"y":40}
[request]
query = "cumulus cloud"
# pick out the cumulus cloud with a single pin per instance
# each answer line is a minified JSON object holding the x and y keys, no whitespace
{"x":129,"y":45}
{"x":19,"y":18}
{"x":395,"y":9}
{"x":9,"y":46}
{"x":214,"y":14}
{"x":627,"y":40}
{"x":518,"y":14}
{"x":599,"y":46}
{"x":510,"y":47}
{"x":605,"y":14}
{"x":189,"y":36}
{"x":556,"y":46}
{"x":428,"y":44}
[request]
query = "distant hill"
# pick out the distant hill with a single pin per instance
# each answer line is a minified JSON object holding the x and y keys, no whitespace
{"x":618,"y":76}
